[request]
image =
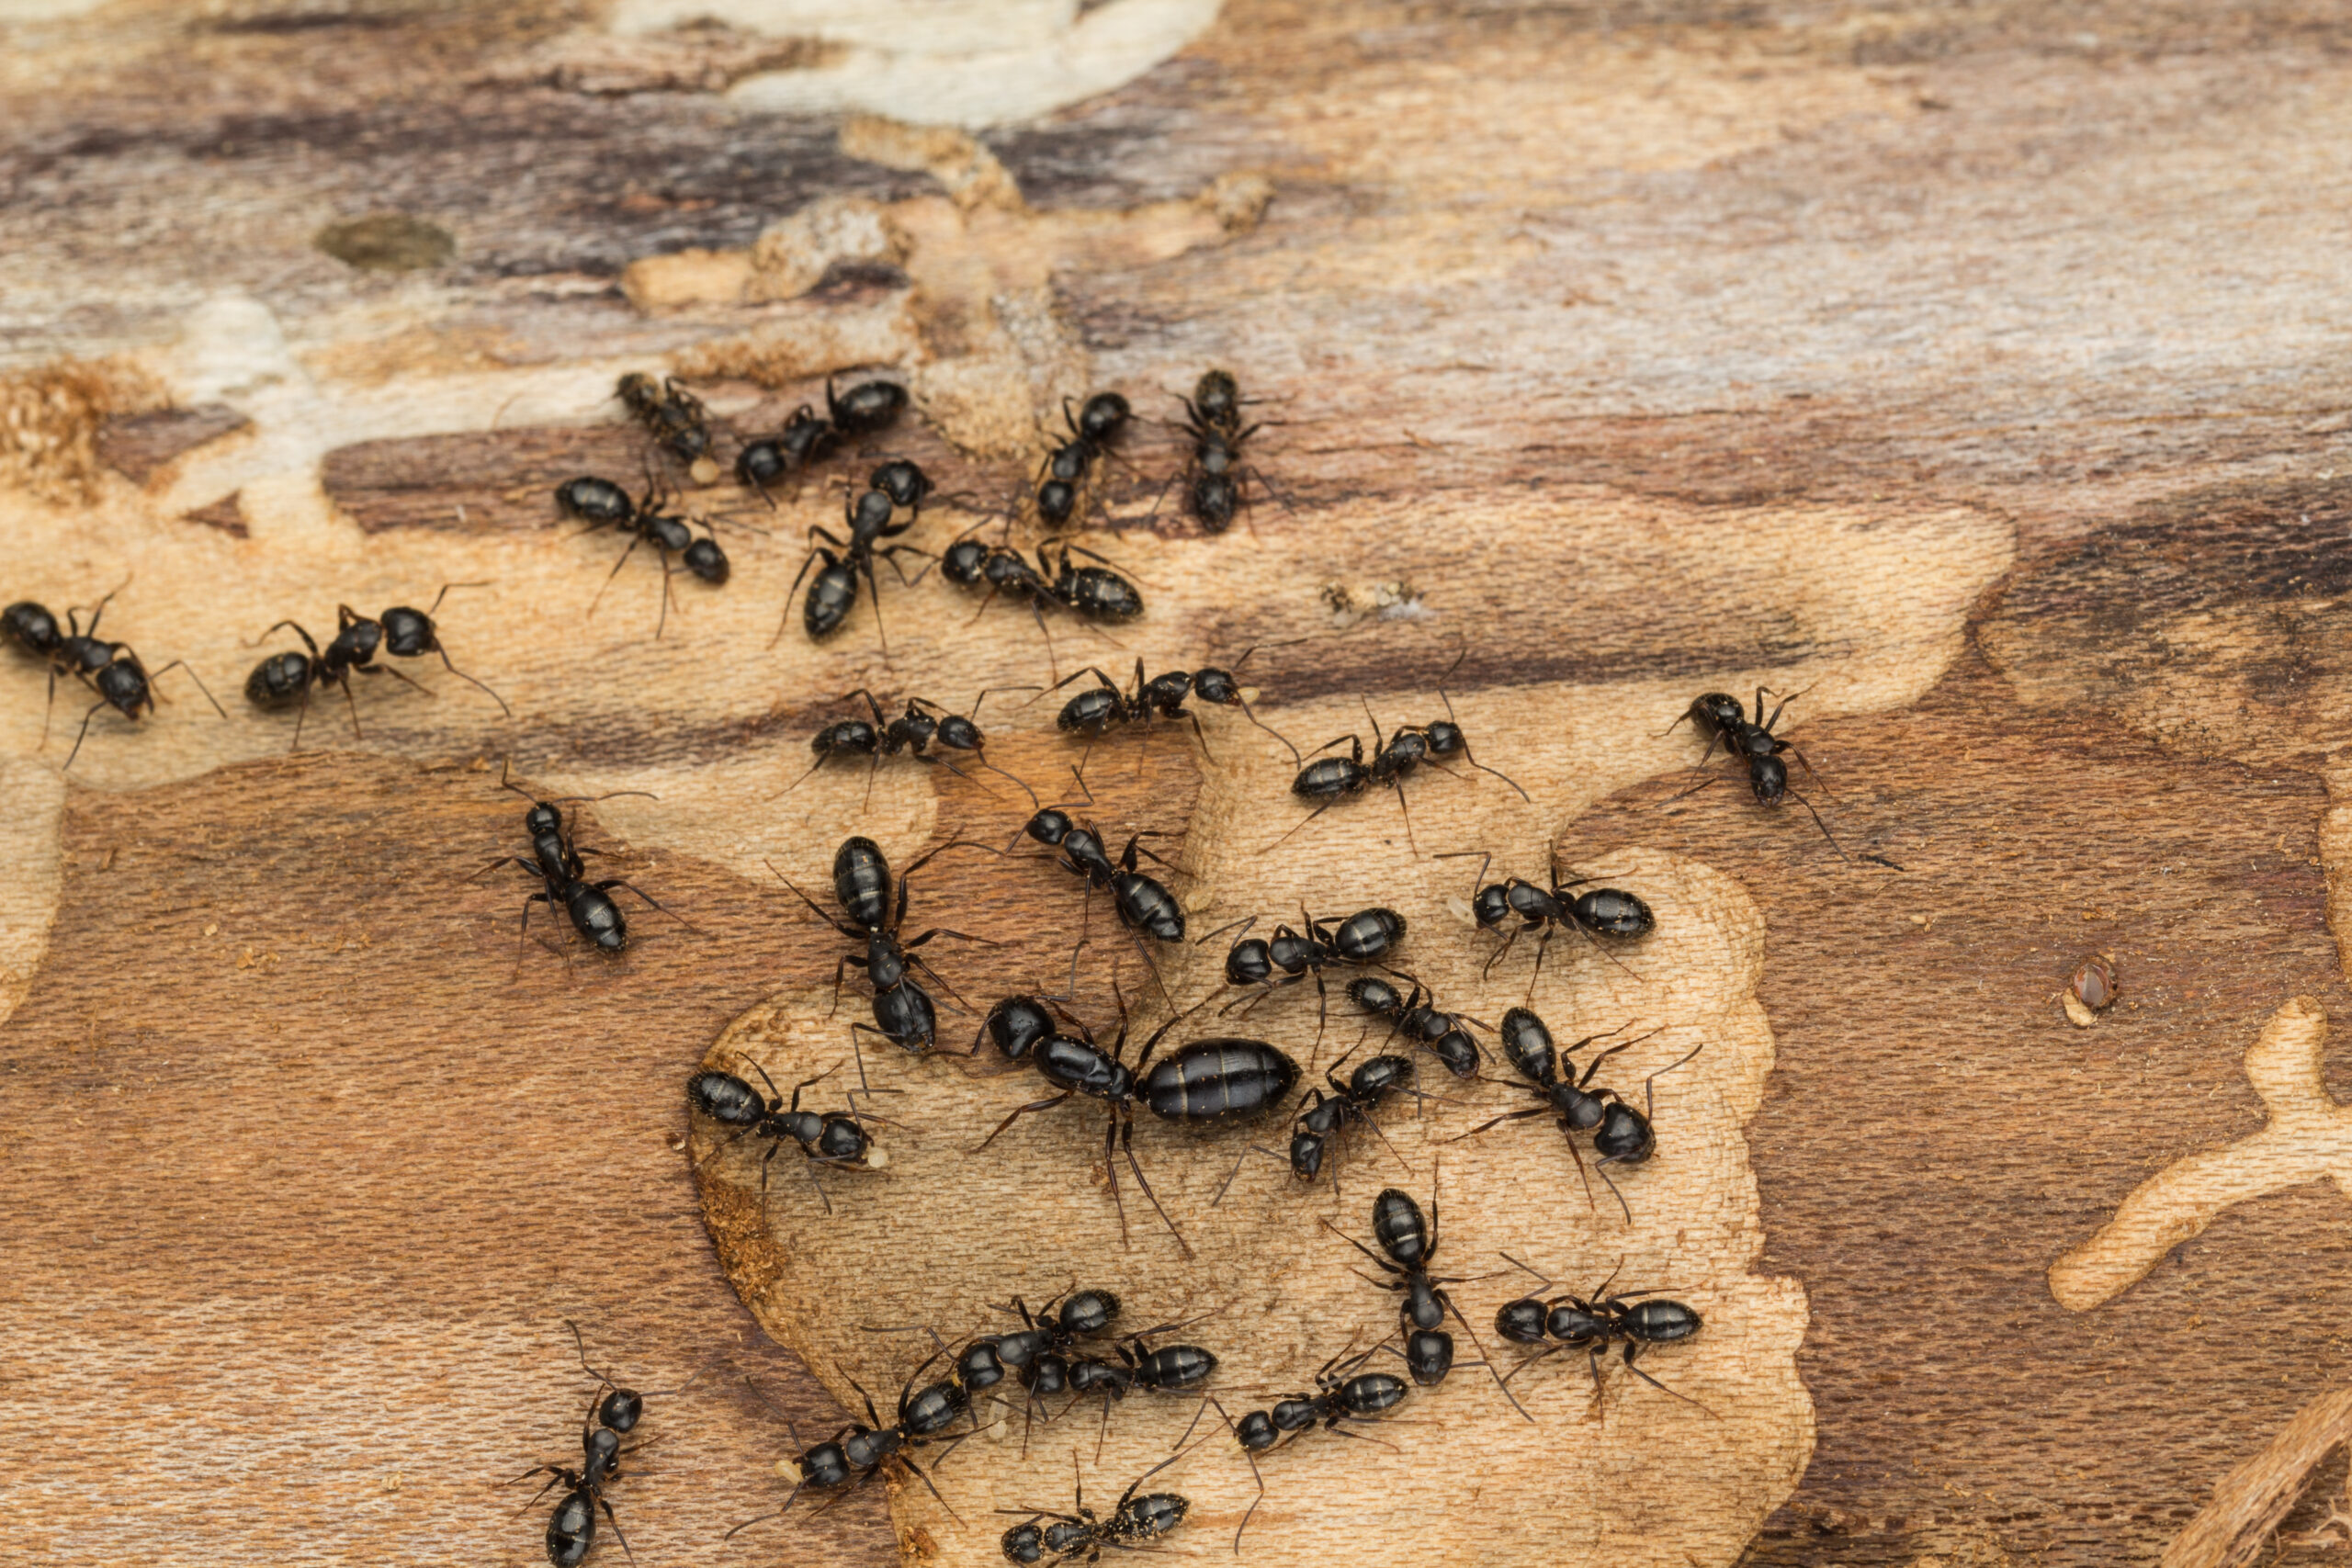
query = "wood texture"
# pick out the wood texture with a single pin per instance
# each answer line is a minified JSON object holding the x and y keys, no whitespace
{"x":1976,"y":369}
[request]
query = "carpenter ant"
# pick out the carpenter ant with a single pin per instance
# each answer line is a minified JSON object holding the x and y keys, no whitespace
{"x":559,"y":865}
{"x":1091,"y":592}
{"x":571,"y":1529}
{"x":833,"y":592}
{"x":902,"y":1010}
{"x":1214,"y":475}
{"x":1331,"y":779}
{"x":1350,"y":1104}
{"x":923,"y":724}
{"x":1439,"y":1033}
{"x":1609,"y":912}
{"x":1200,"y":1084}
{"x":285,"y":679}
{"x":1342,"y":1393}
{"x":673,"y":416}
{"x":866,"y":407}
{"x":1133,"y":1522}
{"x":853,"y":1454}
{"x":1039,"y":1355}
{"x":1621,"y":1134}
{"x":1410,"y":1241}
{"x":1172,"y":1369}
{"x":601,"y":503}
{"x":1717,"y":715}
{"x":110,"y":669}
{"x":1268,"y":964}
{"x":1092,"y":430}
{"x":1143,"y":903}
{"x":1592,"y":1325}
{"x":1105,"y":705}
{"x":835,"y":1140}
{"x":805,"y":439}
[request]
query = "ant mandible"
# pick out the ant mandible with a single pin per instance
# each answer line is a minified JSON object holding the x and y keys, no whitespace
{"x":112,"y":669}
{"x":838,"y":1141}
{"x":1718,"y":716}
{"x":557,"y":862}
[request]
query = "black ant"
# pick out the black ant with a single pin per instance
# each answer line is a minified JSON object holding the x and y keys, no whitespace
{"x":1442,"y":1035}
{"x":1064,"y":474}
{"x":923,"y":724}
{"x":1091,"y":592}
{"x":285,"y":679}
{"x":1171,"y":1368}
{"x":1718,"y":716}
{"x":853,"y":1454}
{"x":571,"y":1529}
{"x":1621,"y":1134}
{"x":1162,"y":696}
{"x":1198,"y":1084}
{"x":833,"y":593}
{"x":1268,"y":964}
{"x":1410,"y":1241}
{"x":1342,"y":1393}
{"x":1332,"y":779}
{"x":1610,"y":912}
{"x":838,"y":1141}
{"x":673,"y":416}
{"x":1578,"y":1323}
{"x":1350,"y":1105}
{"x":902,"y":1010}
{"x":805,"y":439}
{"x":110,"y":669}
{"x":1143,"y":903}
{"x":601,"y":503}
{"x":867,"y":408}
{"x":1133,"y":1522}
{"x":557,"y":862}
{"x":1213,"y":477}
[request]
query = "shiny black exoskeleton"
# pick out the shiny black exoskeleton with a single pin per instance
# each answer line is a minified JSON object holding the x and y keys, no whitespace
{"x":853,"y":1454}
{"x":867,"y":408}
{"x":902,"y":1010}
{"x":1091,"y":431}
{"x":1350,"y":1105}
{"x":1094,"y":592}
{"x":110,"y":669}
{"x":1213,"y":477}
{"x":562,"y":871}
{"x":833,"y":593}
{"x":835,"y":1140}
{"x":1201,"y":1084}
{"x":1142,"y":902}
{"x":1599,"y":912}
{"x":1717,"y":715}
{"x":1134,"y":1521}
{"x":1106,"y":706}
{"x":1636,"y":1319}
{"x":1268,"y":964}
{"x":571,"y":1529}
{"x":1342,"y":1394}
{"x":286,"y":679}
{"x":922,"y":725}
{"x":807,"y":438}
{"x":600,"y":503}
{"x":1621,"y":1134}
{"x":673,"y":416}
{"x":1409,"y":1242}
{"x":1329,"y":780}
{"x":1445,"y":1035}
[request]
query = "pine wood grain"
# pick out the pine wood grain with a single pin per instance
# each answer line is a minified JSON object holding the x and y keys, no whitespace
{"x":1974,"y":368}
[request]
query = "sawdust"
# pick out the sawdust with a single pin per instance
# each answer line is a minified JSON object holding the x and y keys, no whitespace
{"x":50,"y":418}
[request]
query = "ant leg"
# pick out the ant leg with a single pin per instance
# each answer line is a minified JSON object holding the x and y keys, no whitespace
{"x":344,"y":681}
{"x":649,"y":898}
{"x":85,"y":732}
{"x":633,"y":542}
{"x":1247,"y":1150}
{"x":1310,"y":816}
{"x":1527,"y":1361}
{"x":1507,"y":1116}
{"x":1469,"y":757}
{"x":1127,"y":1147}
{"x":523,"y":930}
{"x":183,"y":664}
{"x":1649,"y":1100}
{"x":1536,"y":974}
{"x":1820,"y":824}
{"x":1021,"y":1111}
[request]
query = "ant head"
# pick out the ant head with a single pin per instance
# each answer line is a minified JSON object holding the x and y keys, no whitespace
{"x":869,"y":513}
{"x":124,"y":684}
{"x":1103,"y":416}
{"x":825,"y":1465}
{"x":541,"y":820}
{"x":843,"y":1139}
{"x":1626,"y":1135}
{"x":1491,"y":905}
{"x":1769,"y":777}
{"x":903,"y":481}
{"x":1446,"y":739}
{"x":1050,"y":826}
{"x":408,"y":633}
{"x":621,"y":1409}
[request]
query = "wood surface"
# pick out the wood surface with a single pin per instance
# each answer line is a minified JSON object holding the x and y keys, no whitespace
{"x":1975,"y":370}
